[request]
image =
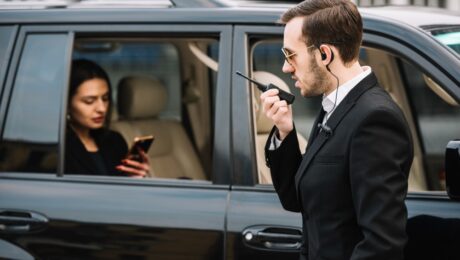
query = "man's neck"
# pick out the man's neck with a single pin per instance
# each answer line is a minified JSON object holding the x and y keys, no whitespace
{"x":344,"y":73}
{"x":349,"y":72}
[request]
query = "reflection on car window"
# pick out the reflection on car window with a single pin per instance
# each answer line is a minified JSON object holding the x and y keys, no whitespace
{"x":5,"y":37}
{"x":31,"y":131}
{"x":437,"y":121}
{"x":449,"y":36}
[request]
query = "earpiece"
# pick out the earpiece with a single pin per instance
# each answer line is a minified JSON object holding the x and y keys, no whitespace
{"x":323,"y":56}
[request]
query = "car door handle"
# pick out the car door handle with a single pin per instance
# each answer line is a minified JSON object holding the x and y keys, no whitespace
{"x":279,"y":238}
{"x":21,"y":221}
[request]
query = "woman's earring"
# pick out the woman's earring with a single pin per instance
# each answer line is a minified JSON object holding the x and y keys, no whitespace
{"x":68,"y":117}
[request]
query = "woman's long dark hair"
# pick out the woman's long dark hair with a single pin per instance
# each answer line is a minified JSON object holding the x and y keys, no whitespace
{"x":83,"y":70}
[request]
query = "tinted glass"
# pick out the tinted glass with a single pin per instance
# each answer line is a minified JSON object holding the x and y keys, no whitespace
{"x":5,"y":39}
{"x":34,"y":108}
{"x":32,"y":124}
{"x":449,"y":37}
{"x":437,"y":121}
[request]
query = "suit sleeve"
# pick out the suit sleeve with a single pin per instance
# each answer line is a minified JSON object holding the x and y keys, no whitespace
{"x":283,"y":163}
{"x":380,"y":158}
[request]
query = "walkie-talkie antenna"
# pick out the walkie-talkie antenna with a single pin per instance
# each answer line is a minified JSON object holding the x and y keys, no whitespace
{"x":259,"y":85}
{"x":283,"y":95}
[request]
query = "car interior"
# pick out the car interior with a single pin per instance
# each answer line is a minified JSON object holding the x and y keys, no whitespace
{"x":161,"y":89}
{"x":405,"y":83}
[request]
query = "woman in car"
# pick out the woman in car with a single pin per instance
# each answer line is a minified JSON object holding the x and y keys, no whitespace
{"x":91,"y":148}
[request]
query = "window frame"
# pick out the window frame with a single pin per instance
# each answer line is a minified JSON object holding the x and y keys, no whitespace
{"x":221,"y":166}
{"x":245,"y":159}
{"x":396,"y":44}
{"x":22,"y":35}
{"x":6,"y":62}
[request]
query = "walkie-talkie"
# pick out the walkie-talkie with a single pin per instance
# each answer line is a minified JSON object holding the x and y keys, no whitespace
{"x":283,"y":95}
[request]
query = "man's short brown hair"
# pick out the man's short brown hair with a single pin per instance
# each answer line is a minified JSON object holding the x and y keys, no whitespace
{"x":334,"y":22}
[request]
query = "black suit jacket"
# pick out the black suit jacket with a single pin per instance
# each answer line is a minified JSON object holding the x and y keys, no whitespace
{"x":112,"y":148}
{"x":350,"y":185}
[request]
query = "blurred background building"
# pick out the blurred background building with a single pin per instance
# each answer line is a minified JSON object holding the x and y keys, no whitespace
{"x":449,"y":4}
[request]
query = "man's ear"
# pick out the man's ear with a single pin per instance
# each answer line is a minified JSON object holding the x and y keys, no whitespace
{"x":327,"y":55}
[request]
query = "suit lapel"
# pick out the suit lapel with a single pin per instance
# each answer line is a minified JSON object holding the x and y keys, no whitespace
{"x":333,"y":122}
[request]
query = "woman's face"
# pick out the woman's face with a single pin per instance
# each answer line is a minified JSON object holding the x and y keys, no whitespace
{"x":89,"y":105}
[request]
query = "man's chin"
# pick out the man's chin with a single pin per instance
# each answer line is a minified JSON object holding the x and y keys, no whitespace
{"x":303,"y":93}
{"x":307,"y":93}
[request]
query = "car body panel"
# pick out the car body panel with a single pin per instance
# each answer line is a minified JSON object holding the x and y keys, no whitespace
{"x":103,"y":217}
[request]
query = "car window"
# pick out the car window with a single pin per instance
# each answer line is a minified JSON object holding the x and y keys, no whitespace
{"x":120,"y":59}
{"x":267,"y":62}
{"x":6,"y":32}
{"x":437,"y":122}
{"x":31,"y":131}
{"x":180,"y":121}
{"x":449,"y":36}
{"x":428,"y":115}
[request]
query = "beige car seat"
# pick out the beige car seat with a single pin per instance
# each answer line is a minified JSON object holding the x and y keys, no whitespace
{"x":140,"y":100}
{"x":264,"y":124}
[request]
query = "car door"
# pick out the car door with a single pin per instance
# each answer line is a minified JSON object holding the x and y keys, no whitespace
{"x":257,"y":223}
{"x":45,"y":213}
{"x":422,"y":76}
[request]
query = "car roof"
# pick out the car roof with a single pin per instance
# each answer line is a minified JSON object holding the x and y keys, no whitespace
{"x":217,"y":11}
{"x":415,"y":15}
{"x":83,"y":4}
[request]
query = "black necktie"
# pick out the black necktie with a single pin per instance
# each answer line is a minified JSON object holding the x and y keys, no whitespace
{"x":319,"y":122}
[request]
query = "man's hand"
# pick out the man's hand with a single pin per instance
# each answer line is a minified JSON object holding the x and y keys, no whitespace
{"x":278,"y":111}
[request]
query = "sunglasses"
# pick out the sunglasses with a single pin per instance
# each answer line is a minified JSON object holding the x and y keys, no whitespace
{"x":288,"y":54}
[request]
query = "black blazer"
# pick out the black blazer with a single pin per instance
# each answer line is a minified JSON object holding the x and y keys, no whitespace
{"x":350,"y":185}
{"x":112,"y":148}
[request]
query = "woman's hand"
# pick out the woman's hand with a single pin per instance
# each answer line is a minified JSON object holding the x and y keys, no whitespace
{"x":134,"y":168}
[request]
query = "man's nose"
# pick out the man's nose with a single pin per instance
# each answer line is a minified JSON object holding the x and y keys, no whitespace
{"x":287,"y":68}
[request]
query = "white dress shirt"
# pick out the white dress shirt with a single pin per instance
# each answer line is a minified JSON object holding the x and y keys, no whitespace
{"x":329,"y":100}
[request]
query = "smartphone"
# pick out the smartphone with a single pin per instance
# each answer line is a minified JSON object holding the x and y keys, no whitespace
{"x":142,"y":142}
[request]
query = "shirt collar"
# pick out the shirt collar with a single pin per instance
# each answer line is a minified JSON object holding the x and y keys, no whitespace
{"x":329,"y":100}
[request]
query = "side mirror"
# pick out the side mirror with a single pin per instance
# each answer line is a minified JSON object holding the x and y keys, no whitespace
{"x":453,"y":169}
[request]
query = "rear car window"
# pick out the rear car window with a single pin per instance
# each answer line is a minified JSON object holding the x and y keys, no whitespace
{"x":6,"y":36}
{"x":31,"y":132}
{"x":449,"y":36}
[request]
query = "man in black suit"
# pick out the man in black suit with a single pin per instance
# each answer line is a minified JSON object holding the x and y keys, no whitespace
{"x":351,"y":182}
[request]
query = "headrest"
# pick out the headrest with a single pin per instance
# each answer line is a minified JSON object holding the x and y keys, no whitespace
{"x":140,"y":97}
{"x":264,"y":125}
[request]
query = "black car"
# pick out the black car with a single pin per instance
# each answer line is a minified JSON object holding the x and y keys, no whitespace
{"x":211,"y":196}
